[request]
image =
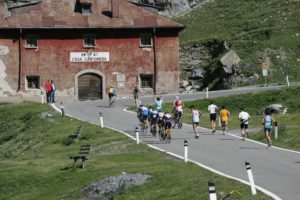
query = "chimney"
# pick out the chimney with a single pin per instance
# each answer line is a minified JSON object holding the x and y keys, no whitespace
{"x":115,"y":8}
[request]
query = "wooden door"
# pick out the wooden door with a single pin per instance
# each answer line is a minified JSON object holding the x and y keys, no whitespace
{"x":90,"y":87}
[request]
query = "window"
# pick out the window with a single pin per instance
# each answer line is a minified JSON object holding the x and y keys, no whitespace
{"x":31,"y":41}
{"x":33,"y":82}
{"x":146,"y":81}
{"x":89,"y":40}
{"x":86,"y":9}
{"x":145,"y":40}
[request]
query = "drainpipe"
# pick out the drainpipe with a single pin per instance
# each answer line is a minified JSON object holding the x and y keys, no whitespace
{"x":20,"y":60}
{"x":154,"y":61}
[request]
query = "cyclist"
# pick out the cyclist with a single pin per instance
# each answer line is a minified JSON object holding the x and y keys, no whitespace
{"x":224,"y":115}
{"x":178,"y":108}
{"x":160,"y":118}
{"x":153,"y":121}
{"x":167,"y":124}
{"x":268,"y":121}
{"x":244,"y":117}
{"x":111,"y":94}
{"x":158,"y":100}
{"x":149,"y":115}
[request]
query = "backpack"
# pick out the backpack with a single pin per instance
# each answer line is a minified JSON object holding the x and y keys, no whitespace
{"x":268,"y":121}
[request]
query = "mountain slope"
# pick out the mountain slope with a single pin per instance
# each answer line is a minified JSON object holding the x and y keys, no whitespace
{"x":257,"y":30}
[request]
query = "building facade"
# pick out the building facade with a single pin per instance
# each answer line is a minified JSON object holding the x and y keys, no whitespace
{"x":85,"y":46}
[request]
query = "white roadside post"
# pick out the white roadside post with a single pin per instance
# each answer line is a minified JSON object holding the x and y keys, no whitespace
{"x":276,"y":130}
{"x":62,"y":109}
{"x":101,"y":120}
{"x":287,"y":79}
{"x":137,"y":135}
{"x":185,"y":151}
{"x":42,"y":97}
{"x":251,"y":179}
{"x":207,"y":92}
{"x":212,"y":191}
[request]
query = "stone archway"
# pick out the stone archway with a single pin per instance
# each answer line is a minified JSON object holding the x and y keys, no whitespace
{"x":90,"y":85}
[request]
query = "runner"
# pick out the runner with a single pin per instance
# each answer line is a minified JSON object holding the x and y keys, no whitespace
{"x":224,"y":115}
{"x":212,"y":109}
{"x":268,"y":121}
{"x":195,"y":115}
{"x":244,"y":117}
{"x":136,"y":94}
{"x":158,"y":102}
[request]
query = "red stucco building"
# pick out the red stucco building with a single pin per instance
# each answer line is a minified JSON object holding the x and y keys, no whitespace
{"x":85,"y":46}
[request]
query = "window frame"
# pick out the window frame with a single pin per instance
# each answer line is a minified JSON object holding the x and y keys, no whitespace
{"x":27,"y":46}
{"x":89,"y":46}
{"x":90,"y":9}
{"x":151,"y":40}
{"x":146,"y":86}
{"x":38,"y":87}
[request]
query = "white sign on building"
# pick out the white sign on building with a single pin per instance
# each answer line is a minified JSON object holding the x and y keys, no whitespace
{"x":89,"y":57}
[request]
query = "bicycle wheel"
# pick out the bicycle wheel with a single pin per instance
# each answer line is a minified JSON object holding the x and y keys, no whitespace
{"x":180,"y":124}
{"x":168,"y":136}
{"x":161,"y":134}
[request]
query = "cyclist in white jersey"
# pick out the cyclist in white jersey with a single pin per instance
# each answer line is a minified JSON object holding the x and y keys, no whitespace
{"x":212,"y":109}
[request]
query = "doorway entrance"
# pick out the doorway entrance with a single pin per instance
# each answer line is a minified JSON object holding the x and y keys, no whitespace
{"x":90,"y":87}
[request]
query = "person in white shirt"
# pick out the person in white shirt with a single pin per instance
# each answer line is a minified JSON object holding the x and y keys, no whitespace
{"x":212,"y":109}
{"x":195,"y":115}
{"x":244,"y":117}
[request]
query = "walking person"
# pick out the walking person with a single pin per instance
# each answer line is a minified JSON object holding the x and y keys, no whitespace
{"x":244,"y":117}
{"x":52,"y":94}
{"x":48,"y":89}
{"x":212,"y":109}
{"x":195,"y":115}
{"x":224,"y":115}
{"x":268,"y":121}
{"x":136,"y":94}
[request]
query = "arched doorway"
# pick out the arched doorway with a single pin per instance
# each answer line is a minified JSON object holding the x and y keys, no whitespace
{"x":90,"y":86}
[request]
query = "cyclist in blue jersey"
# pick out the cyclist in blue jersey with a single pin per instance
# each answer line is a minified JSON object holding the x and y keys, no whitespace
{"x":158,"y":100}
{"x":268,"y":121}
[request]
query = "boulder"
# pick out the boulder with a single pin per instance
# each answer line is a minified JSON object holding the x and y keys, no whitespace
{"x":229,"y":60}
{"x":109,"y":187}
{"x":275,"y":109}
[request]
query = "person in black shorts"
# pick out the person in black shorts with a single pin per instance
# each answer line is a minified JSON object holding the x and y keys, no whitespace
{"x":212,"y":109}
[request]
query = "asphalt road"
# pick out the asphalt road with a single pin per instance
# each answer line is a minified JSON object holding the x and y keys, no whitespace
{"x":275,"y":170}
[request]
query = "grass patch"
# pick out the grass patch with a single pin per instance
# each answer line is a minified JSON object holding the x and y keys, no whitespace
{"x":34,"y":162}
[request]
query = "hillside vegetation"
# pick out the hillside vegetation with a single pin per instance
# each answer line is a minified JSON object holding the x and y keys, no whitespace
{"x":35,"y":164}
{"x":257,"y":30}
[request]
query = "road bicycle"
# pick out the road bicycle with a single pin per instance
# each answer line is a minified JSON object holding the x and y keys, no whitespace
{"x":153,"y":130}
{"x":112,"y":101}
{"x":144,"y":127}
{"x":161,"y":132}
{"x":177,"y":120}
{"x":167,"y":136}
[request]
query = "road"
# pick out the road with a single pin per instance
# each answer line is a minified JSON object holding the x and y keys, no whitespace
{"x":275,"y":170}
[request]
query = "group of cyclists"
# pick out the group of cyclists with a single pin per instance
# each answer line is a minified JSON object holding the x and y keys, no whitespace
{"x":164,"y":121}
{"x":160,"y":120}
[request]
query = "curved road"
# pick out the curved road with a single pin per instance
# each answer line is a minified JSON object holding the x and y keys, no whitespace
{"x":275,"y":170}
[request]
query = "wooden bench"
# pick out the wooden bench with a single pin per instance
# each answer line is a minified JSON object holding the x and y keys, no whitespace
{"x":75,"y":137}
{"x":82,"y":155}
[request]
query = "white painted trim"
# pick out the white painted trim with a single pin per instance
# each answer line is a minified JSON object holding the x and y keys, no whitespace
{"x":93,"y":71}
{"x":270,"y":194}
